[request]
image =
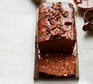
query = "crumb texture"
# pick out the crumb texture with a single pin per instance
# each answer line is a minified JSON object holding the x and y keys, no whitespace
{"x":57,"y":64}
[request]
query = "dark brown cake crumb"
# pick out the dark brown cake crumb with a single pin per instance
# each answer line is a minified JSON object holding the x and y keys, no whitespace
{"x":57,"y":64}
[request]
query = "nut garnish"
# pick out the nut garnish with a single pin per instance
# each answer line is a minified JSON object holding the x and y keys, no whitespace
{"x":66,"y":63}
{"x":65,"y":74}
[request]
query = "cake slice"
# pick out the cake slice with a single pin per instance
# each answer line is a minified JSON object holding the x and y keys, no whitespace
{"x":57,"y":65}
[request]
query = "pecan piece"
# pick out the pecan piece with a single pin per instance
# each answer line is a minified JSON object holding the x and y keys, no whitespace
{"x":68,"y":23}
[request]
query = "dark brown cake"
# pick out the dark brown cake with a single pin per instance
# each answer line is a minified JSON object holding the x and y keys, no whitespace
{"x":56,"y":41}
{"x":56,"y":27}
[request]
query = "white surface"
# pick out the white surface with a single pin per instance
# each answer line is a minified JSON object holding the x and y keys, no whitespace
{"x":17,"y":39}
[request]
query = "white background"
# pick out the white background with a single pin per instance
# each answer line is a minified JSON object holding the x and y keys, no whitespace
{"x":17,"y":40}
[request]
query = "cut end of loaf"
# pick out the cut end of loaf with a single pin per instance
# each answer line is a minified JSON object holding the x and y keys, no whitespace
{"x":57,"y":64}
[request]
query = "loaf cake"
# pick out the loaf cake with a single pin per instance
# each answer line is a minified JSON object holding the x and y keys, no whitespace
{"x":56,"y":41}
{"x":56,"y":27}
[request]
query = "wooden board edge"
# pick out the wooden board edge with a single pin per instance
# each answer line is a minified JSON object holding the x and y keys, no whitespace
{"x":77,"y":67}
{"x":36,"y":59}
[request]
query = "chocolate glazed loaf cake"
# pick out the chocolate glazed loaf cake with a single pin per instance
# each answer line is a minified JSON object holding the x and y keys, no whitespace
{"x":56,"y":27}
{"x":56,"y":43}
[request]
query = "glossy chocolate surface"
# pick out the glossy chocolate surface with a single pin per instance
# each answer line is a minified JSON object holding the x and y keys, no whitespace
{"x":56,"y":20}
